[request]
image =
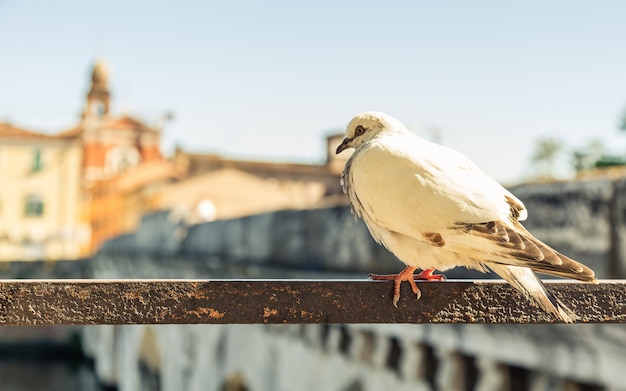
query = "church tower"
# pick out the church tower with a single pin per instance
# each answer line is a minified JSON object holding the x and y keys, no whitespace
{"x":112,"y":144}
{"x":98,"y":96}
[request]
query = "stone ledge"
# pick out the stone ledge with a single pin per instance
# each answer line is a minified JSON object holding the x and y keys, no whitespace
{"x":90,"y":302}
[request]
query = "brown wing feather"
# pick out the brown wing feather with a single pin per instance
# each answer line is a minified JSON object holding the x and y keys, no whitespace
{"x":515,"y":207}
{"x":518,"y":247}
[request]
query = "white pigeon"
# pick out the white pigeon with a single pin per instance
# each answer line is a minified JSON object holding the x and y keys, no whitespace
{"x":435,"y":209}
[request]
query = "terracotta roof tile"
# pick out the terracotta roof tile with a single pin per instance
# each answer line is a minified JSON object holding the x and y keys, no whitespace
{"x":70,"y":133}
{"x":112,"y":123}
{"x":142,"y":175}
{"x":10,"y":131}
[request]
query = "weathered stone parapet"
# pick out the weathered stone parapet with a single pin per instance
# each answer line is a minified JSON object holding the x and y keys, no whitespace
{"x":575,"y":218}
{"x":584,"y":220}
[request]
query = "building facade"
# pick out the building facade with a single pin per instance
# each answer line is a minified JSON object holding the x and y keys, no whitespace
{"x":40,"y":196}
{"x":63,"y":195}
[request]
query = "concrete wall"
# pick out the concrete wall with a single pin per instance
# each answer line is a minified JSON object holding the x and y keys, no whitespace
{"x":327,"y":239}
{"x":584,"y":220}
{"x":578,"y":219}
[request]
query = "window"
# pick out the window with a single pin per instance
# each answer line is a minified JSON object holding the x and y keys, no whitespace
{"x":37,"y":161}
{"x":122,"y":158}
{"x":33,"y":206}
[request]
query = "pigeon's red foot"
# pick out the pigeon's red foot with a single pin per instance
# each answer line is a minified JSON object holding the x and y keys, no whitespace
{"x":407,"y":275}
{"x":427,"y":275}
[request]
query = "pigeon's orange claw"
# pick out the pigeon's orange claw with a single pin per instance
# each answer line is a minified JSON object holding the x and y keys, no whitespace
{"x":407,"y":275}
{"x":427,"y":275}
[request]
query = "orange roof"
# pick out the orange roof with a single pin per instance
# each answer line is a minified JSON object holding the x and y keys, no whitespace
{"x":115,"y":123}
{"x":143,"y":175}
{"x":126,"y":122}
{"x":70,"y":133}
{"x":10,"y":131}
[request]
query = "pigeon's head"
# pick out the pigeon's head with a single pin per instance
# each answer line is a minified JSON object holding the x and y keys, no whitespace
{"x":366,"y":126}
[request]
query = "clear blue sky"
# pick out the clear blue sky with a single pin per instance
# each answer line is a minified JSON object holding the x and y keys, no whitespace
{"x":268,"y":79}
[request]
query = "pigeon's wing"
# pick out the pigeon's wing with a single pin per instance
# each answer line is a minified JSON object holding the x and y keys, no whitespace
{"x":496,"y":242}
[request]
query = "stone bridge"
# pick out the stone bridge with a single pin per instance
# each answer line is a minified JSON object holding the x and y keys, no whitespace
{"x":583,"y":219}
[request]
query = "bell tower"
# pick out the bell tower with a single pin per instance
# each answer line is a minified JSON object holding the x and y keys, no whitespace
{"x":98,"y":95}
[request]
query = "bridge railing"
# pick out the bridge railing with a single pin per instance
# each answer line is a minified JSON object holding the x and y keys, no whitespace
{"x":95,"y":301}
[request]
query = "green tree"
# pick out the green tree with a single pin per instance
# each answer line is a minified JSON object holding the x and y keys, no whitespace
{"x":622,"y":125}
{"x":588,"y":156}
{"x":545,"y":157}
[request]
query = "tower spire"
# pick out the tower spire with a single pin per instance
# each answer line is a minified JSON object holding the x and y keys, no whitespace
{"x":98,"y":96}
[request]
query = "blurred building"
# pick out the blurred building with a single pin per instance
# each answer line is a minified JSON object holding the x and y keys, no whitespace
{"x":237,"y":188}
{"x":46,"y":181}
{"x":63,"y":195}
{"x":40,"y":196}
{"x":111,"y":144}
{"x":125,"y":177}
{"x":198,"y":187}
{"x":117,"y":204}
{"x":121,"y":155}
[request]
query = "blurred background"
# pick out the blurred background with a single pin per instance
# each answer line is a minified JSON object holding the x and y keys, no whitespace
{"x":196,"y":140}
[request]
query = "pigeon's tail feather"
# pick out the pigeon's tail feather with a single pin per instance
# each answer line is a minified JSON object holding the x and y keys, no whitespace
{"x":526,"y":281}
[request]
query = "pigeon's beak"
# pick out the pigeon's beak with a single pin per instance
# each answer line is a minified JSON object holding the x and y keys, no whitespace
{"x":345,"y":144}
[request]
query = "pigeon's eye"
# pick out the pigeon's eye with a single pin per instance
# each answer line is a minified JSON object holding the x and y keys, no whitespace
{"x":359,"y":130}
